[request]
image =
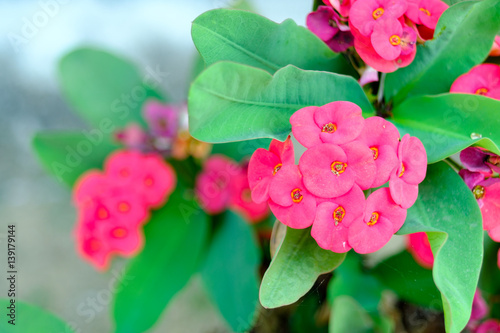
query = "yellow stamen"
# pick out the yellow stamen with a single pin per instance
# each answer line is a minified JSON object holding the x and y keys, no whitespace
{"x":373,"y":219}
{"x":296,"y":196}
{"x":377,"y":13}
{"x":338,"y":167}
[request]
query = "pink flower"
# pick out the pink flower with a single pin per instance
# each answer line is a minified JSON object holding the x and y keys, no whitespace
{"x":337,"y":122}
{"x":426,"y":12}
{"x":482,"y":79}
{"x":90,"y":184}
{"x":265,"y":164}
{"x":330,"y":171}
{"x":419,"y":247}
{"x":495,"y":49}
{"x":381,"y":219}
{"x":241,"y":199}
{"x":325,"y":23}
{"x":477,"y":159}
{"x":92,"y":249}
{"x":213,"y":183}
{"x":382,"y":137}
{"x":331,"y":225}
{"x":121,"y":238}
{"x":489,"y":326}
{"x":369,"y":75}
{"x":133,"y":137}
{"x":290,"y":201}
{"x":366,"y":14}
{"x":390,"y":39}
{"x":341,"y":6}
{"x":479,"y":310}
{"x":410,"y":172}
{"x":162,"y":119}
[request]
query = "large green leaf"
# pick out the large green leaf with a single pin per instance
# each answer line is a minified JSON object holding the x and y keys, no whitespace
{"x":463,"y":38}
{"x":448,"y":212}
{"x":104,"y":88}
{"x":230,"y":272}
{"x":248,"y":38}
{"x":232,"y":102}
{"x":69,"y":154}
{"x":448,"y":123}
{"x":295,"y":267}
{"x":347,"y":316}
{"x":175,"y":239}
{"x":30,"y":319}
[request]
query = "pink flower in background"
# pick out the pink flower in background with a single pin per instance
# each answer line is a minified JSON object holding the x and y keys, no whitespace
{"x":337,"y":122}
{"x":489,"y":326}
{"x":410,"y":172}
{"x":264,"y":164}
{"x":479,"y":310}
{"x":326,"y":24}
{"x":425,"y":12}
{"x":213,"y":183}
{"x":495,"y":49}
{"x":482,"y":79}
{"x":157,"y":180}
{"x":366,"y":14}
{"x":478,"y":159}
{"x":162,"y":118}
{"x":341,"y":6}
{"x":291,"y":203}
{"x":390,"y":39}
{"x":121,"y":238}
{"x":381,"y":219}
{"x":133,"y":137}
{"x":89,"y":185}
{"x":93,"y":249}
{"x":333,"y":217}
{"x":241,"y":199}
{"x":382,"y":137}
{"x":419,"y":247}
{"x":369,"y":75}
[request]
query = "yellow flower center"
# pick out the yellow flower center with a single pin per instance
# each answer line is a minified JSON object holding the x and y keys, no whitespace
{"x":296,"y":196}
{"x":373,"y":219}
{"x":338,"y":215}
{"x":425,"y":11}
{"x":482,"y":91}
{"x":395,"y":40}
{"x":478,"y":191}
{"x":277,"y":168}
{"x":402,"y":170}
{"x":374,"y":152}
{"x":338,"y":167}
{"x":329,"y":128}
{"x":119,"y":232}
{"x":377,"y":13}
{"x":102,"y":213}
{"x":123,"y":207}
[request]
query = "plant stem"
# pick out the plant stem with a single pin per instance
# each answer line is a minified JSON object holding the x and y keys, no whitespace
{"x":380,"y":94}
{"x":453,"y":164}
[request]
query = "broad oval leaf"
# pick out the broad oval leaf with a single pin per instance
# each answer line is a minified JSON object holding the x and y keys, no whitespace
{"x":30,"y":319}
{"x":234,"y":102}
{"x":463,"y":38}
{"x":295,"y":267}
{"x":449,"y":213}
{"x":230,"y":272}
{"x":248,"y":38}
{"x":105,"y":88}
{"x":67,"y":155}
{"x":175,"y":239}
{"x":448,"y":123}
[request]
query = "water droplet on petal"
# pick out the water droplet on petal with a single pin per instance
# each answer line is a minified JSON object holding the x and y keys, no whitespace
{"x":474,"y":136}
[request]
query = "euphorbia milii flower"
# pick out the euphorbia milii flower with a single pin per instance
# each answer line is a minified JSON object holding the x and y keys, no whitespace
{"x":426,"y":12}
{"x":382,"y":137}
{"x":482,"y":79}
{"x":337,"y":122}
{"x":124,"y":239}
{"x":366,"y":14}
{"x":479,"y":310}
{"x":161,"y":118}
{"x":410,"y":171}
{"x":477,"y":159}
{"x":89,"y":185}
{"x":330,"y":227}
{"x":325,"y":23}
{"x":390,"y":39}
{"x":212,"y":185}
{"x":381,"y":219}
{"x":489,"y":326}
{"x":342,"y":6}
{"x":133,"y":137}
{"x":418,"y":245}
{"x":291,"y":203}
{"x":264,"y":164}
{"x":495,"y":49}
{"x":330,"y":171}
{"x":93,"y":249}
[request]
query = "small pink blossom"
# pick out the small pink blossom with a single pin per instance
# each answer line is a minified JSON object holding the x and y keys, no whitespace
{"x":290,"y":201}
{"x":495,"y":49}
{"x":92,"y":249}
{"x":326,"y":24}
{"x":162,"y":119}
{"x":331,"y":225}
{"x":426,"y":12}
{"x":489,"y":326}
{"x":133,"y":137}
{"x":366,"y":14}
{"x":381,"y":219}
{"x":479,"y":310}
{"x":390,"y":39}
{"x":482,"y":80}
{"x":477,"y":159}
{"x":264,"y":164}
{"x":410,"y":172}
{"x":341,"y":6}
{"x":337,"y":122}
{"x":89,"y":185}
{"x":121,"y":238}
{"x":419,"y":247}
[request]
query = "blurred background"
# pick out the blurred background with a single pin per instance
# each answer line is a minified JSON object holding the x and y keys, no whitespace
{"x":35,"y":35}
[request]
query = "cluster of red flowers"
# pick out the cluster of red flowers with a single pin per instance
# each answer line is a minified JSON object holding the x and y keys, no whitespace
{"x":482,"y":80}
{"x":346,"y":154}
{"x":384,"y":32}
{"x":114,"y":204}
{"x":223,"y":184}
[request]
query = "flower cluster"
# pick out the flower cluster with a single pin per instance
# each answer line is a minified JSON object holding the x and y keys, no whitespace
{"x":480,"y":310}
{"x":114,"y":204}
{"x":480,"y":168}
{"x":224,"y":184}
{"x":420,"y":248}
{"x":482,"y":80}
{"x":345,"y":155}
{"x":385,"y":31}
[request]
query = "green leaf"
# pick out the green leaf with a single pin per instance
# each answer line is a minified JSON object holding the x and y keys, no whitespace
{"x":448,"y":123}
{"x":175,"y":239}
{"x":232,"y":102}
{"x":448,"y":212}
{"x":241,"y":149}
{"x":248,"y":38}
{"x":295,"y":267}
{"x":409,"y":280}
{"x":347,"y":316}
{"x":30,"y":319}
{"x":305,"y":316}
{"x":67,"y":155}
{"x":230,"y":272}
{"x":463,"y":38}
{"x":104,"y":88}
